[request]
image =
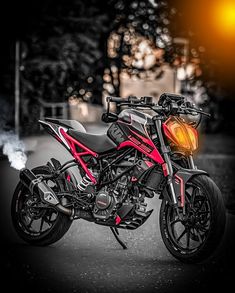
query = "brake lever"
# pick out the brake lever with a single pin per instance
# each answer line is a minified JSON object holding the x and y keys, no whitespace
{"x":202,"y":112}
{"x":195,"y":110}
{"x":206,"y":114}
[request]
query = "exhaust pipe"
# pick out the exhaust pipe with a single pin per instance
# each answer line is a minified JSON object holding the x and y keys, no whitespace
{"x":40,"y":188}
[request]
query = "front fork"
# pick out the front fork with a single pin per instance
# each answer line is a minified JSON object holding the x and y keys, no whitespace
{"x":191,"y":162}
{"x":167,"y":166}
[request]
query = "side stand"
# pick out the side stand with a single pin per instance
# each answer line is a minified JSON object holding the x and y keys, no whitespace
{"x":116,"y":235}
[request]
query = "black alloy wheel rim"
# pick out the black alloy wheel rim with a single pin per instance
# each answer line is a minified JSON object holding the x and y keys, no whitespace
{"x":188,"y":234}
{"x":34,"y":218}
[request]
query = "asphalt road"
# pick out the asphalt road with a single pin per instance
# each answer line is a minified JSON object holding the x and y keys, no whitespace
{"x":88,"y":259}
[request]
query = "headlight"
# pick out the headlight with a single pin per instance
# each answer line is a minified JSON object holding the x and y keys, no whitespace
{"x":181,"y":134}
{"x":193,"y":136}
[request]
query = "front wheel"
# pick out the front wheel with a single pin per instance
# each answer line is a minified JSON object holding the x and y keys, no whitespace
{"x":194,"y":237}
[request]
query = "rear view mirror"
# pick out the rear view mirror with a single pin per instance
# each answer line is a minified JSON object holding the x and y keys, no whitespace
{"x":109,"y":117}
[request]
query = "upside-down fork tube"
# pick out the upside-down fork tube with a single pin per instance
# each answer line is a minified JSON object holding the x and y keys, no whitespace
{"x":181,"y":177}
{"x":167,"y":167}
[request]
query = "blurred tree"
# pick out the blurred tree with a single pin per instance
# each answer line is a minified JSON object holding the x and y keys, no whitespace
{"x":136,"y":23}
{"x":82,"y":47}
{"x":66,"y":52}
{"x":64,"y":46}
{"x":63,"y":55}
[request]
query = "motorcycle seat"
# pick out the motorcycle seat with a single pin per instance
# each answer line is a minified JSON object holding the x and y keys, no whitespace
{"x":98,"y":143}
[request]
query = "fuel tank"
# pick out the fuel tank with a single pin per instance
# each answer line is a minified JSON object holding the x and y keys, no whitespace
{"x":132,"y":129}
{"x":129,"y":121}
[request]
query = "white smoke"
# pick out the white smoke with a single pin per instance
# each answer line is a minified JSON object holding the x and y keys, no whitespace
{"x":14,"y":149}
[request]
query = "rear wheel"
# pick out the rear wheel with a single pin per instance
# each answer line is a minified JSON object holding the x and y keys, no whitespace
{"x":194,"y":237}
{"x":35,"y":222}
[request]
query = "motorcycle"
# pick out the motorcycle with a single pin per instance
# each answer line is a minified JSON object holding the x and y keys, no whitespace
{"x":140,"y":156}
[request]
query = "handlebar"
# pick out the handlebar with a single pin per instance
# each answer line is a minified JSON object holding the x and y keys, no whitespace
{"x":173,"y":104}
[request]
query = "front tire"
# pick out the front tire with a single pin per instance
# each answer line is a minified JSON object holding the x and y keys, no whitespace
{"x":37,"y":226}
{"x":195,"y":237}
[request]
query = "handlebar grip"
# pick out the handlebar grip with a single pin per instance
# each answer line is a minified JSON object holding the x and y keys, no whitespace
{"x":113,"y":99}
{"x":130,"y":99}
{"x":116,"y":99}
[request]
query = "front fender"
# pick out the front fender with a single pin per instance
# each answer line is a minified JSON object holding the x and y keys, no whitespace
{"x":180,"y":178}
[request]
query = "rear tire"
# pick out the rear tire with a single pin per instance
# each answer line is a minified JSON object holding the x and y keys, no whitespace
{"x":22,"y":219}
{"x":204,"y":227}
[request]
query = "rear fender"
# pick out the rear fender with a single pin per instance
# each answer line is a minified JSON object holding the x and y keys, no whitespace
{"x":55,"y":131}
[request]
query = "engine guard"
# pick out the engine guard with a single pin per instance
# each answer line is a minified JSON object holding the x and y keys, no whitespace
{"x":179,"y":180}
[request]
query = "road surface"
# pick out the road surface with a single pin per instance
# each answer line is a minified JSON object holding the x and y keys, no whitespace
{"x":88,"y":259}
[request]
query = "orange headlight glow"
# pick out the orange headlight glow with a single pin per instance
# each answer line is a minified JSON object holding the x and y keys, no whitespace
{"x":181,"y":134}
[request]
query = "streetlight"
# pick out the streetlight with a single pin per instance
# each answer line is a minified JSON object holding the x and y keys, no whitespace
{"x":17,"y":87}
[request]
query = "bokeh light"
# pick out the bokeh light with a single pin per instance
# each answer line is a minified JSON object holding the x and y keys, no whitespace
{"x":224,"y":14}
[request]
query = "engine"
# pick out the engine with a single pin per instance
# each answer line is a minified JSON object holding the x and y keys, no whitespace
{"x":105,"y":204}
{"x":125,"y":194}
{"x":110,"y":198}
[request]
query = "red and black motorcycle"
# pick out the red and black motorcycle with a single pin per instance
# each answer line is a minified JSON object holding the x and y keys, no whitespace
{"x":140,"y":156}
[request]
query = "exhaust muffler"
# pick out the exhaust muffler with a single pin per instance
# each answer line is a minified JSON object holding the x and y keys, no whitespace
{"x":40,"y":188}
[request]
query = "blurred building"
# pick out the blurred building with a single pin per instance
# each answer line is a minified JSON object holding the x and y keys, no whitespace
{"x":151,"y":85}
